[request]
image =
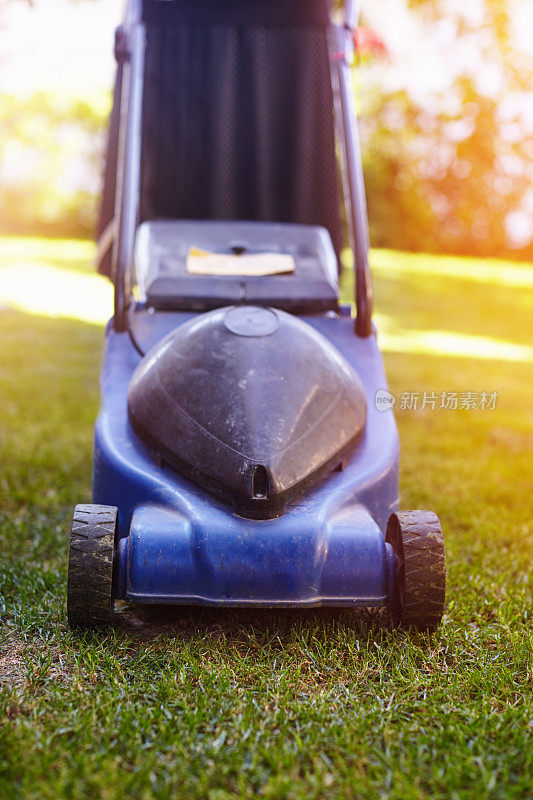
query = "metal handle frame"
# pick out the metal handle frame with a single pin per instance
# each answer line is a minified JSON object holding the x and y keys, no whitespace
{"x":342,"y":48}
{"x":131,"y":47}
{"x":131,"y":38}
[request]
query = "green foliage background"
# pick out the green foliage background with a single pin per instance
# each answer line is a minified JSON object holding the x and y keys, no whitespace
{"x":58,"y":136}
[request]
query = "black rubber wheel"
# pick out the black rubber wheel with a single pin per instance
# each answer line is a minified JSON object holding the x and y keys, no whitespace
{"x":90,"y":566}
{"x":420,"y":569}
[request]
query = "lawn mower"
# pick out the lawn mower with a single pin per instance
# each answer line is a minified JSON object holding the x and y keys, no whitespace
{"x":240,"y":456}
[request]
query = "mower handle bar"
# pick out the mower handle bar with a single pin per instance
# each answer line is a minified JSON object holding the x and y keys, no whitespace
{"x":130,"y":48}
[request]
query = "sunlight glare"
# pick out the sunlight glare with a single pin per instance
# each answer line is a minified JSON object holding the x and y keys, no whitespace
{"x":55,"y":292}
{"x":394,"y":339}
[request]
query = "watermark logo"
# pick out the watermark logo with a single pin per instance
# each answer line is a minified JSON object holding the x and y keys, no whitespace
{"x":384,"y":400}
{"x":448,"y":401}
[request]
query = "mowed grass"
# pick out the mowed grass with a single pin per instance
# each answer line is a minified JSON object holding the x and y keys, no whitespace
{"x":206,"y":704}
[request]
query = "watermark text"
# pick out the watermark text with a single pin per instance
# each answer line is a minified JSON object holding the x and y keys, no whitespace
{"x":448,"y":401}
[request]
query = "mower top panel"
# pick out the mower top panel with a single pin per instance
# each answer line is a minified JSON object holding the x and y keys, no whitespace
{"x":250,"y":403}
{"x":161,"y":257}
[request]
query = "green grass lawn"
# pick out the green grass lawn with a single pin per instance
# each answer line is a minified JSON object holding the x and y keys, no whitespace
{"x":204,"y":704}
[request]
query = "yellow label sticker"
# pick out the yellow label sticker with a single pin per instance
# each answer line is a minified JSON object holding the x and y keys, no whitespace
{"x":204,"y":262}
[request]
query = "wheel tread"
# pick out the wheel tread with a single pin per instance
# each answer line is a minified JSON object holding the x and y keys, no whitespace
{"x":418,"y":544}
{"x":90,"y":568}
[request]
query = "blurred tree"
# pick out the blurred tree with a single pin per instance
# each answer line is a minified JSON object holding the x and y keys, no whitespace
{"x":50,"y":163}
{"x":452,"y":181}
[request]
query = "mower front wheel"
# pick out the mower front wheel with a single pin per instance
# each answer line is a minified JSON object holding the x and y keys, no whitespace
{"x":420,"y":569}
{"x":90,"y":596}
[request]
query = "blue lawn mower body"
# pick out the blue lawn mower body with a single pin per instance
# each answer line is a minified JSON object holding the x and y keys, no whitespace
{"x":240,"y":456}
{"x":178,"y":544}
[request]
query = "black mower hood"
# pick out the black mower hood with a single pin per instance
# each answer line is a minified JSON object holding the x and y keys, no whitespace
{"x":250,"y":403}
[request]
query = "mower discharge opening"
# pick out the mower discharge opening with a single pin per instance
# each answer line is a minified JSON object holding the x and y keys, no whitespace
{"x":260,"y":483}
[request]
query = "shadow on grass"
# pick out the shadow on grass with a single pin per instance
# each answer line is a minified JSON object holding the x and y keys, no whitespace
{"x":148,"y":622}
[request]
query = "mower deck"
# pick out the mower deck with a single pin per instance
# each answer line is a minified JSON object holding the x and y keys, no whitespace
{"x":177,"y":544}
